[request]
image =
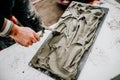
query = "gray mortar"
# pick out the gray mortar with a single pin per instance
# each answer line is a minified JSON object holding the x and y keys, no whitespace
{"x":63,"y":52}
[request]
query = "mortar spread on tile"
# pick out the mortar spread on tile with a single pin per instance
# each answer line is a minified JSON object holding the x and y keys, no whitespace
{"x":62,"y":53}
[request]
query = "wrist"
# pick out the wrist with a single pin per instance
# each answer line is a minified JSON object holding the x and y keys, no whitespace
{"x":14,"y":29}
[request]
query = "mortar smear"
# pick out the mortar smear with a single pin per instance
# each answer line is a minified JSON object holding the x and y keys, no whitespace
{"x":62,"y":54}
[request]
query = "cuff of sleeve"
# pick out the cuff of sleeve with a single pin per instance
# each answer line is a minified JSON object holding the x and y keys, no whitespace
{"x":6,"y":29}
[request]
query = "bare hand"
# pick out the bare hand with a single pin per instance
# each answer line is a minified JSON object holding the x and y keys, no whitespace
{"x":24,"y":35}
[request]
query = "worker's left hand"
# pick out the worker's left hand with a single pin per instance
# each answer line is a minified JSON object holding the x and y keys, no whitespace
{"x":24,"y":35}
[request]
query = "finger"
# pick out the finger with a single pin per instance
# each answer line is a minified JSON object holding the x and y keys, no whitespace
{"x":22,"y":44}
{"x":36,"y":36}
{"x":29,"y":43}
{"x":34,"y":40}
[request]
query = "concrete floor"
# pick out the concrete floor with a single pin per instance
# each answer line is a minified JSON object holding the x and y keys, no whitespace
{"x":49,"y":11}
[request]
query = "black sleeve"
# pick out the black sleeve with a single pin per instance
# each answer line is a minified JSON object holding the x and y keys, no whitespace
{"x":1,"y":21}
{"x":26,"y":15}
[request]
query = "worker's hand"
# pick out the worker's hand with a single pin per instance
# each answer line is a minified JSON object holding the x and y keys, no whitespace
{"x":63,"y":2}
{"x":24,"y":35}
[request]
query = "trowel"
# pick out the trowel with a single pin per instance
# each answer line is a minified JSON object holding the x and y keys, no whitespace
{"x":54,"y":32}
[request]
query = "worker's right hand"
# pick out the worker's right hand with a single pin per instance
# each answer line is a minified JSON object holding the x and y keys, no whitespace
{"x":24,"y":35}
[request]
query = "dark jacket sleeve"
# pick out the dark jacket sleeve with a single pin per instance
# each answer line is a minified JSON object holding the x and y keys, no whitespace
{"x":5,"y":26}
{"x":1,"y":22}
{"x":26,"y":14}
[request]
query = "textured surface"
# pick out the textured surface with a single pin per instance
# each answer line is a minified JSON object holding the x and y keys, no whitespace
{"x":63,"y":52}
{"x":103,"y":62}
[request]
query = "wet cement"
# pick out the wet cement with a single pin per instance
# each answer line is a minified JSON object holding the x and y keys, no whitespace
{"x":62,"y":53}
